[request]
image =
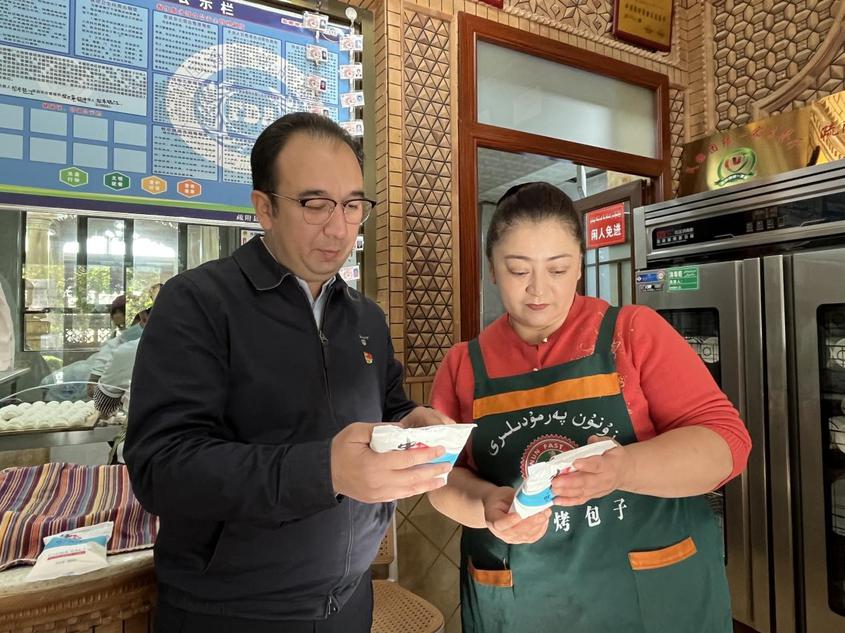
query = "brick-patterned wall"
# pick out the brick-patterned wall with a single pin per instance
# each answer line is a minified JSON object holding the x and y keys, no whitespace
{"x":677,"y":111}
{"x":752,"y":58}
{"x":428,"y":192}
{"x":731,"y":60}
{"x":416,"y":128}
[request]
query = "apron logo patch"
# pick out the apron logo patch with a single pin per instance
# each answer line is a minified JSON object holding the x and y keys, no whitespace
{"x":368,"y":358}
{"x":543,"y":449}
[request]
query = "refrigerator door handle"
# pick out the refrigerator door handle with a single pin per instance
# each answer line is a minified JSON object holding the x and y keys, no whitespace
{"x":780,"y":458}
{"x":755,"y":498}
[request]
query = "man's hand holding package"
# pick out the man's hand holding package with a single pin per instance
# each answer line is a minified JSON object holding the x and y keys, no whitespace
{"x":360,"y":473}
{"x":509,"y":526}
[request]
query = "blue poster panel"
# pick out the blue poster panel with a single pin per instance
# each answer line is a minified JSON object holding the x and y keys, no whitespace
{"x":152,"y":106}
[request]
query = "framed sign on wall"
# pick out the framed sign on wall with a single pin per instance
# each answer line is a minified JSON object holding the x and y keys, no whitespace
{"x":646,"y":23}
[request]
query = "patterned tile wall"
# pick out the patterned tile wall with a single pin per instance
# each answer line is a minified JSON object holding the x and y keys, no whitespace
{"x":428,"y":192}
{"x":592,"y":19}
{"x":830,"y":79}
{"x":772,"y":48}
{"x":677,"y":99}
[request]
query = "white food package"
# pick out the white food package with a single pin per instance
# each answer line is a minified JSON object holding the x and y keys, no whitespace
{"x":452,"y":437}
{"x":535,"y":492}
{"x":73,"y":552}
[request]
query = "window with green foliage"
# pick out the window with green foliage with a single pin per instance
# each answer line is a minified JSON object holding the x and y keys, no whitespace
{"x":76,"y":267}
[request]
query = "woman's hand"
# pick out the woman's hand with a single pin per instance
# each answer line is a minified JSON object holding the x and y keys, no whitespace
{"x":594,"y":477}
{"x":424,"y":416}
{"x":509,"y":526}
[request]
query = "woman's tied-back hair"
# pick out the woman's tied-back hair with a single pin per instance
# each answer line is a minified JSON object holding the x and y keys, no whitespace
{"x":533,"y":202}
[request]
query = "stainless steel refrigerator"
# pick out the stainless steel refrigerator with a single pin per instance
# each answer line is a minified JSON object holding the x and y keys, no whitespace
{"x":753,"y":277}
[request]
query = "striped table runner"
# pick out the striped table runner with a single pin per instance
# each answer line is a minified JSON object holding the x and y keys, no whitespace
{"x":37,"y":501}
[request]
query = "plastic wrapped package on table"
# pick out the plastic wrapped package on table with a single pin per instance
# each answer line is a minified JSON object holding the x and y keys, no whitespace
{"x":37,"y":501}
{"x":119,"y":599}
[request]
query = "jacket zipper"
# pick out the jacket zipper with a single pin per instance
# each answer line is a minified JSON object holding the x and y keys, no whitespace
{"x":324,"y":342}
{"x":331,"y":603}
{"x":324,"y":351}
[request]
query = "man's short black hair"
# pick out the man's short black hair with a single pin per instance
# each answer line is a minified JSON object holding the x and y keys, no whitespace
{"x":273,"y":139}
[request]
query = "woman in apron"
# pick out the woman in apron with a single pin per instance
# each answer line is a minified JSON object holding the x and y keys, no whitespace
{"x":631,"y":544}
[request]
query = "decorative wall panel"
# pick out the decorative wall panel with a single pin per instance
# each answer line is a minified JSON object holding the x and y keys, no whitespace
{"x":594,"y":16}
{"x":768,"y":47}
{"x":677,"y":99}
{"x":427,"y":191}
{"x":592,"y":20}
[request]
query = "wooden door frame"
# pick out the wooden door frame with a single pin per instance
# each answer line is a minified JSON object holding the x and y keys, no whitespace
{"x":472,"y":135}
{"x":637,"y":194}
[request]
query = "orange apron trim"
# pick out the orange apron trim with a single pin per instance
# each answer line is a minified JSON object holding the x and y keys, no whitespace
{"x":559,"y":392}
{"x":490,"y":577}
{"x":663,"y":557}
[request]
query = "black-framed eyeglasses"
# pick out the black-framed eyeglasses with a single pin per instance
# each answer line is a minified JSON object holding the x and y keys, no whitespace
{"x":320,"y":210}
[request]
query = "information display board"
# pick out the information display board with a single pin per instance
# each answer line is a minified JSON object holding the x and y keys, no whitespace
{"x":152,"y":106}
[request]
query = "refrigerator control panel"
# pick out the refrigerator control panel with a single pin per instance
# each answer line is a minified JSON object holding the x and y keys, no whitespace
{"x":734,"y":224}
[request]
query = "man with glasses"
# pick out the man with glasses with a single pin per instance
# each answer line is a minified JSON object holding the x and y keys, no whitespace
{"x":255,"y":388}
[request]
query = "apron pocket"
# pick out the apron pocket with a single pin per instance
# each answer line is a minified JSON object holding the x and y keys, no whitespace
{"x":678,"y":590}
{"x":665,"y":557}
{"x":490,"y":577}
{"x":487,"y":602}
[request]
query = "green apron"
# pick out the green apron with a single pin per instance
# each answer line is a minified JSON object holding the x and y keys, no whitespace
{"x":622,"y":563}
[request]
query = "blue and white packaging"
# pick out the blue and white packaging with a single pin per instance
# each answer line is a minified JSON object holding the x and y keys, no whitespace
{"x":535,"y":492}
{"x":73,"y":552}
{"x":452,"y":437}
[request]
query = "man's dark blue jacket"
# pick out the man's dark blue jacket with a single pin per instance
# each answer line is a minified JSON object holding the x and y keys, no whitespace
{"x":235,"y":397}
